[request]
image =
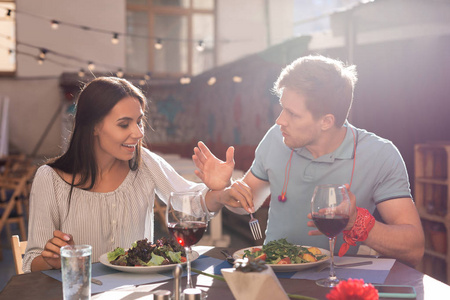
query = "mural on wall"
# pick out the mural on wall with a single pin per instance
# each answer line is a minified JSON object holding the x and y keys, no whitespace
{"x":169,"y":108}
{"x":228,"y":112}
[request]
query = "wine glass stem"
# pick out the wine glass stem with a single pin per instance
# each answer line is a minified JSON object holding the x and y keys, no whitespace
{"x":332,"y":274}
{"x":188,"y":267}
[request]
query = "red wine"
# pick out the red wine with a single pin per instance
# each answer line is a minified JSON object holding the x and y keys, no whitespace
{"x":330,"y":225}
{"x":188,"y":233}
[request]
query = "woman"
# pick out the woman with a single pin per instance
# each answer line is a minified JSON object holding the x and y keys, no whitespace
{"x":101,"y":191}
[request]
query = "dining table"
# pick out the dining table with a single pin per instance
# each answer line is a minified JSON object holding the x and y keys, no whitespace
{"x":39,"y":285}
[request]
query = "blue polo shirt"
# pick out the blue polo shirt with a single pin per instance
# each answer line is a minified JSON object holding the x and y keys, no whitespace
{"x":379,"y":175}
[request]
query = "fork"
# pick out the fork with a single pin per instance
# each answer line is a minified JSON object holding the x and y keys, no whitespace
{"x":255,"y":228}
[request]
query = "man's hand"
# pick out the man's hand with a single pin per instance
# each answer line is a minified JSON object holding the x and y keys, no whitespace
{"x":352,"y":214}
{"x":52,"y":249}
{"x":215,"y":173}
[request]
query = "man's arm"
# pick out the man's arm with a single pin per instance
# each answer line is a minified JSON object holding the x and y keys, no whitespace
{"x":402,"y":236}
{"x":243,"y":196}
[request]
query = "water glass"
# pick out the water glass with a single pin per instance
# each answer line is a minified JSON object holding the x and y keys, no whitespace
{"x":76,"y":272}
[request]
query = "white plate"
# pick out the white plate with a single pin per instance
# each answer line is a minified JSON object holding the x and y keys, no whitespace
{"x":150,"y":269}
{"x":291,"y":267}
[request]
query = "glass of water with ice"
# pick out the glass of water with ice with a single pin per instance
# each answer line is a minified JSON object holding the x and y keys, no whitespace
{"x":76,"y":271}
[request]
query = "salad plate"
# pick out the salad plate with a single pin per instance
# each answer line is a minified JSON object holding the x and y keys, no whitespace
{"x":147,"y":269}
{"x":288,"y":267}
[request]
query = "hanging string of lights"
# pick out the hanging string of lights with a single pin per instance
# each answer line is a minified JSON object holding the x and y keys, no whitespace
{"x":91,"y":65}
{"x":115,"y":35}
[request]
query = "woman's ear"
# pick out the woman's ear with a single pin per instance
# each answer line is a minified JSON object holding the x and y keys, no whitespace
{"x":96,"y":130}
{"x":328,"y":121}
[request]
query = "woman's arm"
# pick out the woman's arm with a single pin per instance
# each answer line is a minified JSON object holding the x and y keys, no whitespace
{"x":50,"y":258}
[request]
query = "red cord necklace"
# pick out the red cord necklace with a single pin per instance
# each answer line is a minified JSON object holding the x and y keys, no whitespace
{"x":282,"y":197}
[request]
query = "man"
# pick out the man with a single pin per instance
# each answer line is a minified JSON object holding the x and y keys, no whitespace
{"x":312,"y":143}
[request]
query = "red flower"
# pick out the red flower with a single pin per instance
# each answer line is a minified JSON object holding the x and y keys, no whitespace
{"x":353,"y":289}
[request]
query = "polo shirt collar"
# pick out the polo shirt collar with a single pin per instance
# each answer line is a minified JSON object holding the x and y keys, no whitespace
{"x":344,"y":151}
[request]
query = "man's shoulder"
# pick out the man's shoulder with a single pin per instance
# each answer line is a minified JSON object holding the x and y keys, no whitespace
{"x":372,"y":138}
{"x":372,"y":143}
{"x":274,"y":132}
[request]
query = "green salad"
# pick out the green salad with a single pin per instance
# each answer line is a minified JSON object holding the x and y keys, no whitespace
{"x":282,"y":252}
{"x":143,"y":253}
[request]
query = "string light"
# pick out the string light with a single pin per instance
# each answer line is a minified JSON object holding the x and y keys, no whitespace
{"x":115,"y":38}
{"x":200,"y":46}
{"x":54,"y":24}
{"x":212,"y":80}
{"x":91,"y":66}
{"x":142,"y":82}
{"x":43,"y":53}
{"x":81,"y":73}
{"x":185,"y":80}
{"x":158,"y":44}
{"x":237,"y":79}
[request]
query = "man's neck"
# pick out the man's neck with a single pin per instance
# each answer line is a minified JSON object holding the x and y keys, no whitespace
{"x":328,"y":142}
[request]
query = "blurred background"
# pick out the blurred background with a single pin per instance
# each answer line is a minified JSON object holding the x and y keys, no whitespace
{"x":207,"y":67}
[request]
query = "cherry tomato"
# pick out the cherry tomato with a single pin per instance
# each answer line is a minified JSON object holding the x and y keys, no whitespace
{"x":284,"y":261}
{"x":183,"y":259}
{"x":255,"y":250}
{"x":262,"y":257}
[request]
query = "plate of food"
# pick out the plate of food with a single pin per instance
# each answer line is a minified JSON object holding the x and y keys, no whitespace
{"x":283,"y":256}
{"x":146,"y":257}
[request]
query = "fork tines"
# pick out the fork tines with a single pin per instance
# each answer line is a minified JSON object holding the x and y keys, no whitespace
{"x":255,"y":228}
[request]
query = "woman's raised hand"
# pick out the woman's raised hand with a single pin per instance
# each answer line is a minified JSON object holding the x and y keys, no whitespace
{"x":215,"y":173}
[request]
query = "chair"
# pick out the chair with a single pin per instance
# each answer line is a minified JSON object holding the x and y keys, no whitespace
{"x":14,"y":191}
{"x":18,"y":249}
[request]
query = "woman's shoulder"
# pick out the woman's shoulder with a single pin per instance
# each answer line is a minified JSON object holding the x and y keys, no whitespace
{"x":45,"y":171}
{"x":149,"y":157}
{"x":48,"y":174}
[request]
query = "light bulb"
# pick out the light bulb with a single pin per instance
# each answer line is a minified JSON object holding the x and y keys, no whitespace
{"x":115,"y":39}
{"x":54,"y":24}
{"x":158,"y":44}
{"x":212,"y":80}
{"x":237,"y":79}
{"x":200,"y":46}
{"x":43,"y":53}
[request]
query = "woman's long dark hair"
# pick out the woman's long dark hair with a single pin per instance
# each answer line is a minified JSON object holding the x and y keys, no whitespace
{"x":94,"y":102}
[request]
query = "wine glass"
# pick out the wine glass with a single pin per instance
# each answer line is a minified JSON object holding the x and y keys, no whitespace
{"x":186,"y":217}
{"x":330,"y":208}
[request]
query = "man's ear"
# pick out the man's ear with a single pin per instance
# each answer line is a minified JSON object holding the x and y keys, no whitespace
{"x":328,"y":121}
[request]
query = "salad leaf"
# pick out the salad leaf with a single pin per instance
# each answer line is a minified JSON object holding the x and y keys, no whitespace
{"x":115,"y":253}
{"x":156,"y":260}
{"x":174,"y":256}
